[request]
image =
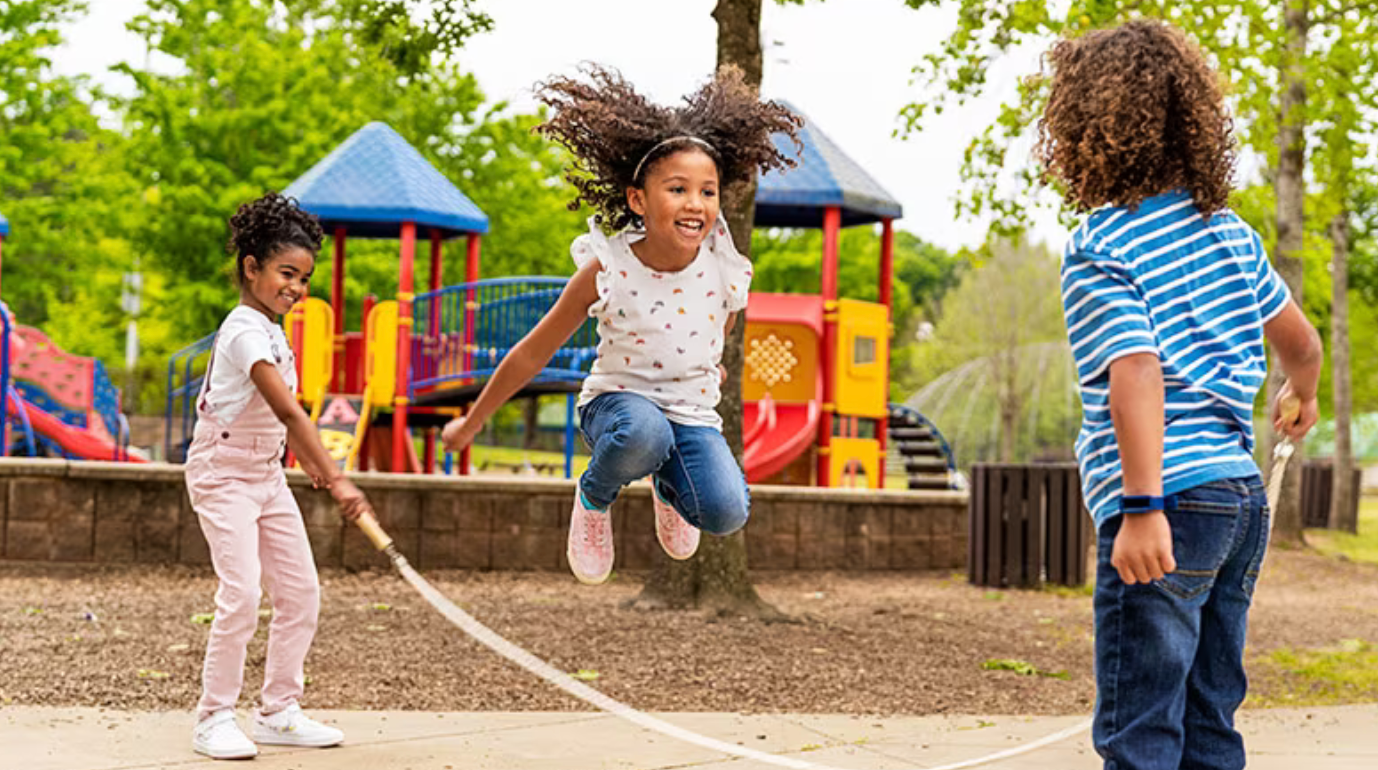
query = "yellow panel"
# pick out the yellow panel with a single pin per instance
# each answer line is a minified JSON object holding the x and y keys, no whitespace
{"x":862,"y":359}
{"x":317,"y":352}
{"x":381,"y":358}
{"x":780,"y":359}
{"x":864,"y":453}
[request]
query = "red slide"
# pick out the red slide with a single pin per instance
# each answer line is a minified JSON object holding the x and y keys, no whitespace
{"x":73,"y":440}
{"x":775,"y":434}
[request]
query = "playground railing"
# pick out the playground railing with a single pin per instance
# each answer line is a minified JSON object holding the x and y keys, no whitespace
{"x":185,"y":390}
{"x":461,"y":333}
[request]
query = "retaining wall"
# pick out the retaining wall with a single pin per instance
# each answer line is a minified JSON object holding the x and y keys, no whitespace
{"x":97,"y":512}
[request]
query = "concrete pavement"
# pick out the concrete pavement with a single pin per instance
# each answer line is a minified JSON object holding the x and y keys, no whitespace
{"x":38,"y":738}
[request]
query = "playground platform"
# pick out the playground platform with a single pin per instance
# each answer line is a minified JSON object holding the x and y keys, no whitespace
{"x":35,"y":738}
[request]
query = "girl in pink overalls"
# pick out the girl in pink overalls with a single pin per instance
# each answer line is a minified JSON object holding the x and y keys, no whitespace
{"x":247,"y":417}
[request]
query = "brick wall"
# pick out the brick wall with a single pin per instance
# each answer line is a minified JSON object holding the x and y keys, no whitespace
{"x":54,"y":510}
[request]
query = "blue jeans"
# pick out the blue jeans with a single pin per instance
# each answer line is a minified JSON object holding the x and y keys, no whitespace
{"x":691,"y":466}
{"x":1170,"y":654}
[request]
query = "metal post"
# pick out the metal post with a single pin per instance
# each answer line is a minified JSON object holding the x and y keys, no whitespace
{"x":337,"y":302}
{"x":832,"y":226}
{"x":404,"y":323}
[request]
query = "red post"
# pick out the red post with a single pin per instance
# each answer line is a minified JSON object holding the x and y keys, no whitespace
{"x":471,"y":274}
{"x":887,"y":280}
{"x":404,"y":298}
{"x":337,"y":303}
{"x":428,"y":464}
{"x":832,"y":227}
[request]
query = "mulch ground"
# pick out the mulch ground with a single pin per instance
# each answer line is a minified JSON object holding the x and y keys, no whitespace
{"x":875,"y":643}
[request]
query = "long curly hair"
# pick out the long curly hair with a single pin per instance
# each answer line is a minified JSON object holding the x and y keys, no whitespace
{"x":1135,"y":111}
{"x":263,"y":227}
{"x":617,"y":136}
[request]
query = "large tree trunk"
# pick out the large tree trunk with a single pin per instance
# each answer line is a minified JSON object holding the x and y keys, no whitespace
{"x":531,"y":422}
{"x":1291,"y":195}
{"x":716,"y":580}
{"x":1342,"y":510}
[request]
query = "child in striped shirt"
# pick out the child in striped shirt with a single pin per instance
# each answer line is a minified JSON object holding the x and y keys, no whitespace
{"x":1168,"y":296}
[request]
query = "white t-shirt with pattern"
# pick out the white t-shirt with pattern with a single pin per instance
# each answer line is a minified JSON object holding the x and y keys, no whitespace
{"x":661,"y":334}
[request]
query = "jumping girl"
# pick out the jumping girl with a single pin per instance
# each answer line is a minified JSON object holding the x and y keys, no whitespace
{"x":665,"y":288}
{"x":247,"y":418}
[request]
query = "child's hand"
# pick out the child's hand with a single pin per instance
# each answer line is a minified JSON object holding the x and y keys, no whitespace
{"x":352,"y":502}
{"x":1143,"y":548}
{"x":1306,"y":418}
{"x":459,"y":433}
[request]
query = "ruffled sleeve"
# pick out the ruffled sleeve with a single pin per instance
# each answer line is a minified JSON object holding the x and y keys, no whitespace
{"x":595,"y":245}
{"x":736,"y":269}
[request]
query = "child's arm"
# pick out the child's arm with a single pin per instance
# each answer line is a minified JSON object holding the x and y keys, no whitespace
{"x":1298,"y":348}
{"x":306,"y":442}
{"x":1143,"y":547}
{"x":526,"y":359}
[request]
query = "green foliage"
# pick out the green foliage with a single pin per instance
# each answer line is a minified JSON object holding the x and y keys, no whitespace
{"x":1022,"y":668}
{"x":791,"y":261}
{"x":996,"y":377}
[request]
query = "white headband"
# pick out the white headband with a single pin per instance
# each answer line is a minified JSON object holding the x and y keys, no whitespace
{"x":686,"y":138}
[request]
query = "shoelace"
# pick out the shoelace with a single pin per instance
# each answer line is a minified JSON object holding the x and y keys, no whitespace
{"x":596,"y":529}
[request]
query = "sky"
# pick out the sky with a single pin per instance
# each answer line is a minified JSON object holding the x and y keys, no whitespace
{"x":846,"y":64}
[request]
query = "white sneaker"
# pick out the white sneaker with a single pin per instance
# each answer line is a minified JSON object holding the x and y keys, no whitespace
{"x":590,"y":543}
{"x":218,"y":736}
{"x":290,"y":727}
{"x":679,"y":538}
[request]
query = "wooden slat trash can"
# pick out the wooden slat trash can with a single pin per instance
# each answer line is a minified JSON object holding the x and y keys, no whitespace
{"x":1317,"y":485}
{"x":1027,"y":526}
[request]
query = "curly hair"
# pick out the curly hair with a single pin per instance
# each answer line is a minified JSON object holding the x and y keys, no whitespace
{"x":1135,"y":111}
{"x":263,"y":227}
{"x":617,"y":136}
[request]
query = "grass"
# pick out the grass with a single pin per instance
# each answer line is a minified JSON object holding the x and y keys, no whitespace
{"x":1023,"y":668}
{"x":1346,"y":673}
{"x":508,"y":456}
{"x":1362,"y":547}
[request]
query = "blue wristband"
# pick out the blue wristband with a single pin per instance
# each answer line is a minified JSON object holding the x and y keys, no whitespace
{"x":1144,"y":503}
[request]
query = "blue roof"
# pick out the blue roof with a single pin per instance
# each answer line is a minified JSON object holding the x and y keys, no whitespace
{"x":824,"y":177}
{"x":374,"y":181}
{"x":4,"y":225}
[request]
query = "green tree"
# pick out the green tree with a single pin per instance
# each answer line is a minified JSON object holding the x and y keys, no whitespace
{"x":61,"y":182}
{"x":1270,"y":53}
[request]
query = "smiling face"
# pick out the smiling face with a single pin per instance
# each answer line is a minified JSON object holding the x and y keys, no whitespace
{"x":275,"y":284}
{"x":678,"y":204}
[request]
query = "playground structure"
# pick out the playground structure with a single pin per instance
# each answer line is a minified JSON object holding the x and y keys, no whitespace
{"x":816,"y":366}
{"x":56,"y":404}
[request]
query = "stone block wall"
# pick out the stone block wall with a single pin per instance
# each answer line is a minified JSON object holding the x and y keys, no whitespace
{"x":53,"y":510}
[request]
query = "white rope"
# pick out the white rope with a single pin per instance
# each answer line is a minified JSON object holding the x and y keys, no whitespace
{"x":495,"y":642}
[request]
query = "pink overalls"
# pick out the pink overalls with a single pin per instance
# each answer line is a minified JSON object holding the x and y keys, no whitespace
{"x":255,"y":531}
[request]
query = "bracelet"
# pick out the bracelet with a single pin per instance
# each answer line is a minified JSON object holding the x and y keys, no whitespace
{"x":1145,"y":503}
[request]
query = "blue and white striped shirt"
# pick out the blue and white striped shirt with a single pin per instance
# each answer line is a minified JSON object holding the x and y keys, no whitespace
{"x":1162,"y":279}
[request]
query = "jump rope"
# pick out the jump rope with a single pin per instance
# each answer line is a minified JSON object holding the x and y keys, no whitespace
{"x":562,"y":680}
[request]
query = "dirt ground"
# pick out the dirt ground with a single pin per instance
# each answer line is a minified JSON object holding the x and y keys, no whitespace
{"x":876,"y":643}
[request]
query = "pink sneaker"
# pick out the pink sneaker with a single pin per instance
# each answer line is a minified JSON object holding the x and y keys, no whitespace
{"x":590,"y":543}
{"x":679,"y":538}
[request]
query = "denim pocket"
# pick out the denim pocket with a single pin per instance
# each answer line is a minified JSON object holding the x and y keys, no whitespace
{"x":1205,"y":522}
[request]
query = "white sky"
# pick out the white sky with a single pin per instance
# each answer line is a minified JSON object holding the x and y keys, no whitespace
{"x":845,"y":63}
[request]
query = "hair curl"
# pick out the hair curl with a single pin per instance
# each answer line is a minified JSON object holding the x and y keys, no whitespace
{"x":609,"y":128}
{"x":1135,"y":111}
{"x":263,"y":227}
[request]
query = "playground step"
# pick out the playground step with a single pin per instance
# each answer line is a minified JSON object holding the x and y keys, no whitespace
{"x":910,"y":433}
{"x":925,"y":465}
{"x":920,"y":448}
{"x":929,"y":481}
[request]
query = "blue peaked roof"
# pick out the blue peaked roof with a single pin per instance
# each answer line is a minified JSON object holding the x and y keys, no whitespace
{"x":825,"y":177}
{"x":4,"y":225}
{"x":374,"y":181}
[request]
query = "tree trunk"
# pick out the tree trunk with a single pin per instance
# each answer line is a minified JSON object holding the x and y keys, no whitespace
{"x":1291,"y":194}
{"x":531,"y":415}
{"x":716,"y":579}
{"x":1342,"y":510}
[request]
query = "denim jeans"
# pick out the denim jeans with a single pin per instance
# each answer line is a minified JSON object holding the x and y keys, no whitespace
{"x":691,"y":466}
{"x":1170,"y":654}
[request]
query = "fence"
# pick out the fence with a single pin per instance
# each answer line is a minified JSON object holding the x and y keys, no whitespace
{"x":1317,"y":479}
{"x":1027,"y":526}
